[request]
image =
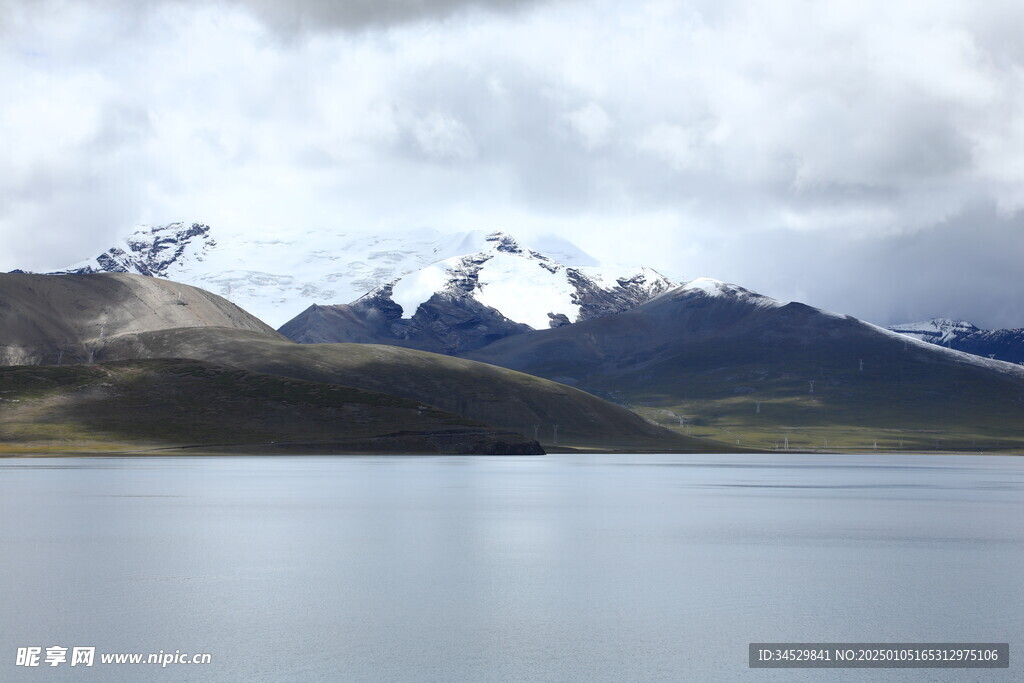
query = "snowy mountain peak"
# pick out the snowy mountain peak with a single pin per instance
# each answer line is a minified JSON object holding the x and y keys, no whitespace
{"x":936,"y":330}
{"x":152,"y":250}
{"x":716,"y":288}
{"x":526,"y":286}
{"x":466,"y":301}
{"x":504,"y":243}
{"x":709,"y":286}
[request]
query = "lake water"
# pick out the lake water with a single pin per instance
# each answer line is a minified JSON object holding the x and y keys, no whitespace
{"x":561,"y":567}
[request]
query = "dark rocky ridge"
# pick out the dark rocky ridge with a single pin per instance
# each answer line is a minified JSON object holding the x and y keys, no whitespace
{"x":595,"y":301}
{"x":450,"y":322}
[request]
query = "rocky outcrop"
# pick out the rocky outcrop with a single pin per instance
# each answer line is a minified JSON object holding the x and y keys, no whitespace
{"x":629,"y":292}
{"x":449,"y":322}
{"x":151,"y":251}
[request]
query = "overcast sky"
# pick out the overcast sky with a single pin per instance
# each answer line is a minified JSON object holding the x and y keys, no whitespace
{"x":866,"y":157}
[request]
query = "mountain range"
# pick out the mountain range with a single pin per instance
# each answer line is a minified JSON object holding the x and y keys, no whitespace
{"x":449,"y":293}
{"x":466,"y":302}
{"x":546,"y":344}
{"x":96,"y":358}
{"x":1007,"y":345}
{"x":276,"y":274}
{"x":717,"y":360}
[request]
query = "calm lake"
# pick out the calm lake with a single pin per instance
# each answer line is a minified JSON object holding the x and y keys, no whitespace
{"x":551,"y":568}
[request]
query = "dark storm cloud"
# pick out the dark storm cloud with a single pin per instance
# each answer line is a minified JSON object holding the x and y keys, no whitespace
{"x":966,"y":267}
{"x":291,"y":17}
{"x":298,"y":16}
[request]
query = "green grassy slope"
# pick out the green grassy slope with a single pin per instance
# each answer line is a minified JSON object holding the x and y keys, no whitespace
{"x":902,"y":399}
{"x":496,"y":396}
{"x":175,"y":404}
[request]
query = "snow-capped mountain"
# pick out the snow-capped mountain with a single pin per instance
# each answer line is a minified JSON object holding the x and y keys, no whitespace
{"x":467,"y":301}
{"x":1007,"y":345}
{"x":275,"y":273}
{"x":153,"y":251}
{"x":937,"y":330}
{"x":527,"y":286}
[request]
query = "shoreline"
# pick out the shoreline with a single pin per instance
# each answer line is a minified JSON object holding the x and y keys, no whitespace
{"x":293,"y":449}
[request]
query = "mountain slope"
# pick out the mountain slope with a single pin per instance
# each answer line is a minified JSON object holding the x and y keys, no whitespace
{"x":160,"y":251}
{"x":555,"y":414}
{"x":176,"y":405}
{"x":1006,"y":345}
{"x":726,"y":362}
{"x":447,"y":322}
{"x":62,"y":319}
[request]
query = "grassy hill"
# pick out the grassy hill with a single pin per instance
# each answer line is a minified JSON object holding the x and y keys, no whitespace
{"x":166,"y":406}
{"x":555,"y":414}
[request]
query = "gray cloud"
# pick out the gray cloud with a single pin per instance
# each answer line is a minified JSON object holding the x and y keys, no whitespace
{"x":302,"y":16}
{"x":967,"y":267}
{"x":291,"y":19}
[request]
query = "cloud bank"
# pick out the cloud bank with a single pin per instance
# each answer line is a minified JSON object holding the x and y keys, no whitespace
{"x":864,"y":157}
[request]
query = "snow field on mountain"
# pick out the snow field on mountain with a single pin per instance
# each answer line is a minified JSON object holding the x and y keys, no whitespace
{"x":524,"y":291}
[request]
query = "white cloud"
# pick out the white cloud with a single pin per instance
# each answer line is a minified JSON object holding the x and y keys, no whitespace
{"x":678,"y":146}
{"x":591,"y":124}
{"x":443,"y":137}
